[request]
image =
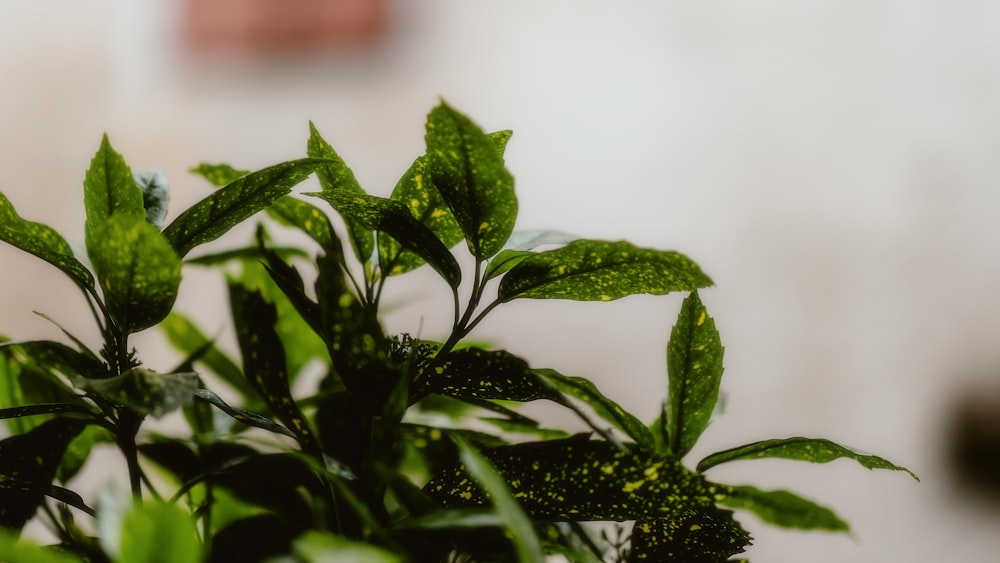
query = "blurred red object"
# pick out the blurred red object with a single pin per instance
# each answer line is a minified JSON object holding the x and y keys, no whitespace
{"x":268,"y":25}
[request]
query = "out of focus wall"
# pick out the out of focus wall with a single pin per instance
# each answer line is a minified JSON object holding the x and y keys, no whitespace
{"x":832,"y":165}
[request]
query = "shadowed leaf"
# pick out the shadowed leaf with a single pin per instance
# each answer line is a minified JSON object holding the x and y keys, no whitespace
{"x":704,"y":535}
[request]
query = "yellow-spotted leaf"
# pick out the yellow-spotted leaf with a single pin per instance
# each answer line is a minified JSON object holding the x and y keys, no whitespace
{"x":335,"y":176}
{"x":264,"y":363}
{"x":42,"y":241}
{"x":138,"y":271}
{"x":228,"y":206}
{"x":593,"y":270}
{"x":785,"y":509}
{"x":694,"y":364}
{"x":474,"y":373}
{"x":218,"y":174}
{"x":108,"y":189}
{"x":467,"y":167}
{"x":309,"y":219}
{"x":579,"y":480}
{"x":416,"y":191}
{"x":705,"y":535}
{"x":815,"y":450}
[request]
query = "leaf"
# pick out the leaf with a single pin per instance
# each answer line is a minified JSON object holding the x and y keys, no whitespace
{"x":42,"y":241}
{"x":31,"y":459}
{"x":785,"y":509}
{"x":157,"y":532}
{"x":320,"y":547}
{"x":138,"y":271}
{"x":468,"y":169}
{"x":218,"y":174}
{"x":14,"y":550}
{"x":335,"y":176}
{"x":584,"y":390}
{"x":452,"y":519}
{"x":108,"y":189}
{"x":694,"y":364}
{"x":225,"y":208}
{"x":144,"y":390}
{"x":474,"y":373}
{"x":515,"y":521}
{"x":186,"y":337}
{"x":416,"y":191}
{"x":815,"y":450}
{"x":500,"y":140}
{"x":591,"y":270}
{"x":520,"y":246}
{"x":579,"y":480}
{"x":705,"y":535}
{"x":264,"y":363}
{"x":309,"y":219}
{"x":394,"y":219}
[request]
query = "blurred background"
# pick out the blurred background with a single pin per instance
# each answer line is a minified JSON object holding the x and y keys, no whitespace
{"x":831,"y":164}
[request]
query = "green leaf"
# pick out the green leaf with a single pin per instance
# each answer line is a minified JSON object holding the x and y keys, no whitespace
{"x":394,"y":219}
{"x":335,"y":176}
{"x":157,"y":532}
{"x":108,"y":189}
{"x":474,"y":373}
{"x":452,"y":519}
{"x":584,"y":390}
{"x":264,"y":362}
{"x":591,"y":270}
{"x":186,"y":337}
{"x":578,"y":479}
{"x":31,"y":460}
{"x":704,"y":535}
{"x":138,"y":271}
{"x":145,"y":391}
{"x":42,"y":241}
{"x":218,"y":174}
{"x":520,"y":527}
{"x":785,"y":509}
{"x":815,"y":450}
{"x":320,"y":547}
{"x":14,"y":550}
{"x":500,"y":140}
{"x":416,"y":191}
{"x":694,"y":364}
{"x":214,"y":215}
{"x":520,"y":246}
{"x":309,"y":219}
{"x":468,"y":169}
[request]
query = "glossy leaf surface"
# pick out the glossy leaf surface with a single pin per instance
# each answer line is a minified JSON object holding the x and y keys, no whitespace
{"x":592,"y":270}
{"x":785,"y":509}
{"x":578,"y":479}
{"x":694,"y":364}
{"x":815,"y":450}
{"x":42,"y":241}
{"x":704,"y":535}
{"x":468,"y":169}
{"x":213,"y":216}
{"x":138,"y":271}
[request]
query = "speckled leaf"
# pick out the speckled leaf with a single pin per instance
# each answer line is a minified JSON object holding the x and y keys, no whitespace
{"x":336,"y":176}
{"x":584,"y":390}
{"x":500,"y":140}
{"x":138,"y":271}
{"x":309,"y":219}
{"x":578,"y":479}
{"x":592,"y":270}
{"x":785,"y":509}
{"x":520,"y":528}
{"x":394,"y":219}
{"x":474,"y":373}
{"x":694,"y":364}
{"x":145,"y":391}
{"x":32,"y":459}
{"x":417,"y":192}
{"x":108,"y":189}
{"x":42,"y":241}
{"x":521,"y":245}
{"x":214,"y":215}
{"x":704,"y":535}
{"x":218,"y":174}
{"x":815,"y":450}
{"x":264,"y":361}
{"x":468,"y":169}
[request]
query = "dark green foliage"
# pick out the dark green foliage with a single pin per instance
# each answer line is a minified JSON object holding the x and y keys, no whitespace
{"x":327,"y":439}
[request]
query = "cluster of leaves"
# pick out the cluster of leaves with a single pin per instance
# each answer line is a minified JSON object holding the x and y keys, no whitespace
{"x":385,"y":458}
